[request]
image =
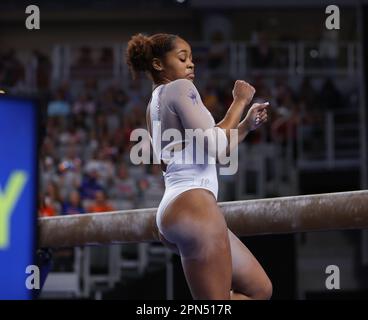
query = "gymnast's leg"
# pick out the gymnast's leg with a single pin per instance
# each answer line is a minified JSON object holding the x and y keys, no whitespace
{"x":196,"y":226}
{"x":249,"y":280}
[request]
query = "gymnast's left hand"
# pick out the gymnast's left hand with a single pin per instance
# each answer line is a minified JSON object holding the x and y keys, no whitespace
{"x":256,"y":116}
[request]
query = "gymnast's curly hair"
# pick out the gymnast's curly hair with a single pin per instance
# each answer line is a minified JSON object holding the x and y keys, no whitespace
{"x":143,"y":49}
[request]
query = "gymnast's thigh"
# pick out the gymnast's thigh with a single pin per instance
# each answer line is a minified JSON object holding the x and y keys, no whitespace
{"x":248,"y":275}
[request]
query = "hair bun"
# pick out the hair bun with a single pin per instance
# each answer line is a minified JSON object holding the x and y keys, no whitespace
{"x":139,"y":53}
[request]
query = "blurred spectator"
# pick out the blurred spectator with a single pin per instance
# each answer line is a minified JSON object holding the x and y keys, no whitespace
{"x":284,"y":126}
{"x":84,"y":104}
{"x":106,"y":59}
{"x":90,"y":185}
{"x":151,"y":187}
{"x":92,"y":143}
{"x":48,"y":172}
{"x":70,"y":174}
{"x":72,"y":137}
{"x":128,"y":127}
{"x":101,"y":163}
{"x":52,"y":190}
{"x":108,"y":99}
{"x":124,"y":186}
{"x":91,"y":88}
{"x":59,"y":106}
{"x":113,"y":121}
{"x":118,"y":137}
{"x":47,"y":207}
{"x":109,"y":152}
{"x":121,"y":98}
{"x":50,"y":200}
{"x":73,"y":205}
{"x":84,"y":59}
{"x":100,"y":122}
{"x":100,"y":204}
{"x":136,"y":171}
{"x":134,"y":93}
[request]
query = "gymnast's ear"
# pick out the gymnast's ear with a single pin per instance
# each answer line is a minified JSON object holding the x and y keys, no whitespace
{"x":157,"y":65}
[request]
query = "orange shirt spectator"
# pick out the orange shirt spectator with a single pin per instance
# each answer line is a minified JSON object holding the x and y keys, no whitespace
{"x":47,"y":211}
{"x":101,"y":204}
{"x":47,"y":208}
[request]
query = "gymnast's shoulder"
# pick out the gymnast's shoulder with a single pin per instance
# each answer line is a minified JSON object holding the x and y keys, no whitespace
{"x":179,"y":85}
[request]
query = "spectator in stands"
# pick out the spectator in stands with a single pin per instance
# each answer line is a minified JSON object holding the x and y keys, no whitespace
{"x":100,"y":123}
{"x":84,"y":104}
{"x":137,"y":172}
{"x":91,"y":88}
{"x":118,"y":137}
{"x":106,"y":59}
{"x":72,"y":137}
{"x":107,"y":99}
{"x":101,"y":163}
{"x":50,"y":200}
{"x":48,"y":172}
{"x":70,"y":174}
{"x":52,"y":191}
{"x":124,"y":186}
{"x":100,"y":204}
{"x":84,"y":59}
{"x":134,"y":93}
{"x":109,"y":152}
{"x":151,"y":187}
{"x":92,"y":143}
{"x":47,"y":207}
{"x":90,"y":184}
{"x":288,"y":115}
{"x":128,"y":127}
{"x":120,"y":97}
{"x":113,"y":121}
{"x":73,"y":205}
{"x":143,"y":185}
{"x":59,"y":106}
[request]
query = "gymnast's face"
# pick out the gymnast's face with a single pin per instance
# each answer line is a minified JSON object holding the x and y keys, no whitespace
{"x":177,"y":63}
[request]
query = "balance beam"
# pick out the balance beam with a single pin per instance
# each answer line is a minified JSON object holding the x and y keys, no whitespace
{"x":320,"y":212}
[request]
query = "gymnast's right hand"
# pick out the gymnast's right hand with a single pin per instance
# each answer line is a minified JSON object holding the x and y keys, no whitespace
{"x":243,"y":91}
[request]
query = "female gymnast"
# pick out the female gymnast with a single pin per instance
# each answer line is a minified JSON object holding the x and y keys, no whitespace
{"x":216,"y":264}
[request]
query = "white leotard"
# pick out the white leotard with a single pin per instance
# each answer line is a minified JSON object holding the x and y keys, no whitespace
{"x":178,"y":105}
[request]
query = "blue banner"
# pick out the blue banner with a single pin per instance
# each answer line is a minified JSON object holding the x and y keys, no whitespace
{"x":18,"y":197}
